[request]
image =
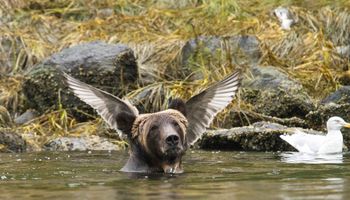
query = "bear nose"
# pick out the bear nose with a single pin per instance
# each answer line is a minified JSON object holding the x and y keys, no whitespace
{"x":172,"y":140}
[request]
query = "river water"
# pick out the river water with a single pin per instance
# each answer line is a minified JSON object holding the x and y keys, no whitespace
{"x":208,"y":175}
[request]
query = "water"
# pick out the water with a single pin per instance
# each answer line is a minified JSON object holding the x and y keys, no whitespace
{"x":208,"y":175}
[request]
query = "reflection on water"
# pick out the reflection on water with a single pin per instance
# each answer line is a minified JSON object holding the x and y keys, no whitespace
{"x":329,"y":188}
{"x":208,"y":175}
{"x":299,"y":157}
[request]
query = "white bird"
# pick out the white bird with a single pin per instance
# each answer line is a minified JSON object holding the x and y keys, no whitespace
{"x":332,"y":142}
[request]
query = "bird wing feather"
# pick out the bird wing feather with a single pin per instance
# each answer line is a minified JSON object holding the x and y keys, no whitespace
{"x":203,"y":107}
{"x":106,"y":105}
{"x":304,"y":142}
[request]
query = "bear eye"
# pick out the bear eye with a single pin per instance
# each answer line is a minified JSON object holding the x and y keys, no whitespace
{"x":175,"y":124}
{"x":153,"y":128}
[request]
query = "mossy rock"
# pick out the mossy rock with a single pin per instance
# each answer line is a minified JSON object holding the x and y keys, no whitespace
{"x":277,"y":103}
{"x":269,"y":94}
{"x":10,"y":141}
{"x":110,"y":67}
{"x":340,"y":96}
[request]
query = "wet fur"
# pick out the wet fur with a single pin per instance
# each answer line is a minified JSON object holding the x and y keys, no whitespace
{"x":145,"y":155}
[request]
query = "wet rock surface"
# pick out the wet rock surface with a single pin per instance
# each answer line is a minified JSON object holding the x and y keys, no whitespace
{"x":85,"y":143}
{"x":110,"y":67}
{"x":11,"y":141}
{"x":260,"y":136}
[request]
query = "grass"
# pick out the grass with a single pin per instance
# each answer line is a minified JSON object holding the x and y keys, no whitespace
{"x":157,"y":31}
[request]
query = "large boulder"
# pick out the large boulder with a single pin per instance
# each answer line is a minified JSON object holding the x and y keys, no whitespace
{"x":110,"y":67}
{"x":267,"y":93}
{"x":272,"y":92}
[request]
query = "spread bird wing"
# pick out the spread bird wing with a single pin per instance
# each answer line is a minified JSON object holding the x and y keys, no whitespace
{"x":304,"y":142}
{"x":203,"y":107}
{"x":106,"y":105}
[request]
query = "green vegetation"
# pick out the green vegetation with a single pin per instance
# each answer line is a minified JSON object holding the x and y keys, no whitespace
{"x":32,"y":30}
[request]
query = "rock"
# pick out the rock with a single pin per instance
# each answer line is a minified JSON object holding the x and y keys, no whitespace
{"x":342,"y":95}
{"x":10,"y":141}
{"x":26,"y":117}
{"x":246,"y":117}
{"x":218,"y":47}
{"x":86,"y":143}
{"x":110,"y":67}
{"x":273,"y":93}
{"x":269,"y":94}
{"x":320,"y":116}
{"x":277,"y":103}
{"x":270,"y":78}
{"x":260,"y":136}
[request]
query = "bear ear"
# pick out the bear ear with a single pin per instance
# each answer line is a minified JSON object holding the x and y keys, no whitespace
{"x":125,"y":121}
{"x":177,"y":104}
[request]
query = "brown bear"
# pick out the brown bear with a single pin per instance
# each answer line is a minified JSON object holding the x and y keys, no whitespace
{"x":159,"y":140}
